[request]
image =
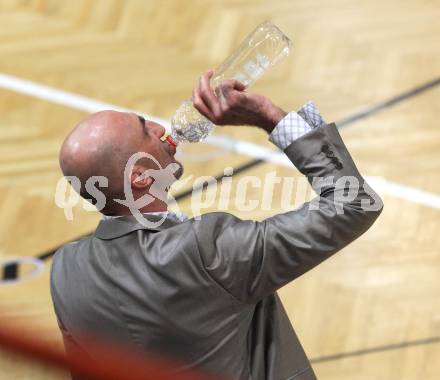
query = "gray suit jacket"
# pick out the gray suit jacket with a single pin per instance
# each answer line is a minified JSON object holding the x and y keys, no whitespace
{"x":204,"y":291}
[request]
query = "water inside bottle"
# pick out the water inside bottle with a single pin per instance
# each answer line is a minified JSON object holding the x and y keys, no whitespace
{"x":188,"y":125}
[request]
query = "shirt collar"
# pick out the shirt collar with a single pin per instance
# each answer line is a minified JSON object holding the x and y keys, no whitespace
{"x":111,"y":227}
{"x":174,"y":216}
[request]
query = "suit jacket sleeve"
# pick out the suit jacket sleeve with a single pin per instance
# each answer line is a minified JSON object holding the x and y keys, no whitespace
{"x":252,"y":259}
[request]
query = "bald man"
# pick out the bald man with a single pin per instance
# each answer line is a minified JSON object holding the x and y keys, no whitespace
{"x":102,"y":144}
{"x":202,"y":291}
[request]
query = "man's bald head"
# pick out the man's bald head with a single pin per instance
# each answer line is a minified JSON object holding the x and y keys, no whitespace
{"x":100,"y":145}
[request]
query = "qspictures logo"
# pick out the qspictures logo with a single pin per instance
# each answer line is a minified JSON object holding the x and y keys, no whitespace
{"x":247,"y":194}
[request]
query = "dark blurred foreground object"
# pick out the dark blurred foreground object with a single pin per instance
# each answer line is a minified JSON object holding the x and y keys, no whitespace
{"x":110,"y":361}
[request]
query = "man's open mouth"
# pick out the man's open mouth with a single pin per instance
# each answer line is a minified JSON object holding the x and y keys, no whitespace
{"x":171,"y":143}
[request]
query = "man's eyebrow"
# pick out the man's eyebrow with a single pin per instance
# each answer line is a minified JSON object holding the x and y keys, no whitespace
{"x":142,"y":120}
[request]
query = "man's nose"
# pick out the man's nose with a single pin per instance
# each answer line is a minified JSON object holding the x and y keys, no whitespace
{"x":158,"y":130}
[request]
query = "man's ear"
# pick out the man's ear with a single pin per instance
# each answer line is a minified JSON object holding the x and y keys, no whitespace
{"x":139,"y":178}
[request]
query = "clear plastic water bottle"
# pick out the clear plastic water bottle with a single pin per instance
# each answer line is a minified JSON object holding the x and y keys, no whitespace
{"x":263,"y":48}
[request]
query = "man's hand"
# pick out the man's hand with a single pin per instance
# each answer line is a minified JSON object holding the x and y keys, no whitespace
{"x":234,"y":106}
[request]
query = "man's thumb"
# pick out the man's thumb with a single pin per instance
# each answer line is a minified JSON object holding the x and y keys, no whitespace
{"x":239,"y":85}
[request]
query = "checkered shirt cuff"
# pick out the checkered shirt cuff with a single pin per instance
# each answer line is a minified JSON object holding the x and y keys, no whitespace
{"x":296,"y":124}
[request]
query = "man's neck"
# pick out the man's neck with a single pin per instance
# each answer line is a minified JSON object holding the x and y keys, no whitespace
{"x":155,"y":206}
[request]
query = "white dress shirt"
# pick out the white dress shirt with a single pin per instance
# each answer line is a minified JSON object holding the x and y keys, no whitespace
{"x":296,"y":124}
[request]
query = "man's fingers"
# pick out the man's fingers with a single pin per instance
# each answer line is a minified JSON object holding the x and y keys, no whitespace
{"x":229,"y":90}
{"x":200,"y":106}
{"x":232,"y":84}
{"x":237,"y":85}
{"x":217,"y":106}
{"x":207,"y":94}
